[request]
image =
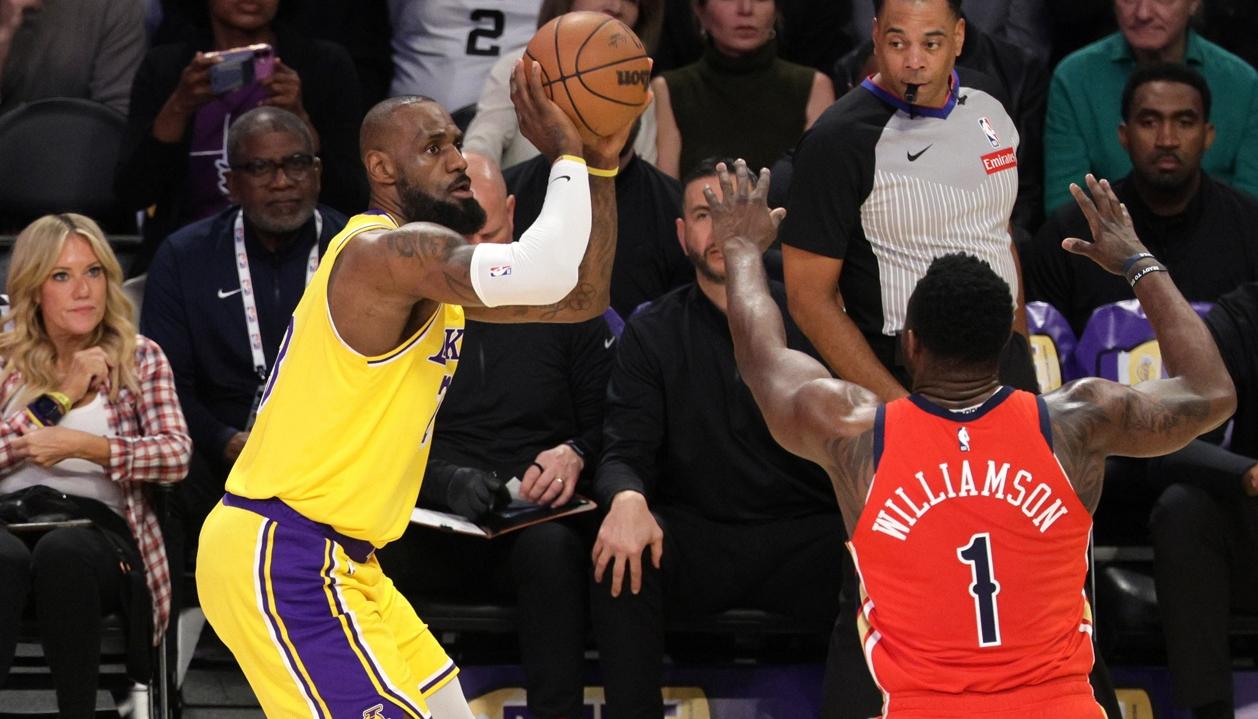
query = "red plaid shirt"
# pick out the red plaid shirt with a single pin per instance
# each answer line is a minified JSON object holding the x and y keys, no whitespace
{"x":149,"y":443}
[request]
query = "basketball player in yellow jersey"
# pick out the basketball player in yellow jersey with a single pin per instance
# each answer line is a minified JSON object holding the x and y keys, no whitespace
{"x":286,"y":572}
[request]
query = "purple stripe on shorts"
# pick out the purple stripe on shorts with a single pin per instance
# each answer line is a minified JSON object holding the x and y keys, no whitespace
{"x":269,"y":613}
{"x":353,"y":631}
{"x":441,"y":677}
{"x":299,"y":582}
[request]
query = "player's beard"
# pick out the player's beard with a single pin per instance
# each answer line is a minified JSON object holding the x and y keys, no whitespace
{"x":465,"y":217}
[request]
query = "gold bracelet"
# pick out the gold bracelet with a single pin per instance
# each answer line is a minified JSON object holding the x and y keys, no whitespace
{"x":597,"y":172}
{"x":574,"y":158}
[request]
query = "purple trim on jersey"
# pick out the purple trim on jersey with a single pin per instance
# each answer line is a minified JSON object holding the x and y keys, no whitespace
{"x":898,"y":102}
{"x":359,"y":550}
{"x":272,"y":613}
{"x":880,"y":424}
{"x":300,"y":583}
{"x":991,"y":403}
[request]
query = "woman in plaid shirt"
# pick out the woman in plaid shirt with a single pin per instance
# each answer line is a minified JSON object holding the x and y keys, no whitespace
{"x":88,"y":410}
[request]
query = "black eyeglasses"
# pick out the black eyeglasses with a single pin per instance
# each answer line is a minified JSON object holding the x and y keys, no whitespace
{"x":296,"y":166}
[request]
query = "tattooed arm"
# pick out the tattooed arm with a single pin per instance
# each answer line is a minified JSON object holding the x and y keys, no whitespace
{"x":810,"y":414}
{"x":1093,"y":418}
{"x":426,"y":261}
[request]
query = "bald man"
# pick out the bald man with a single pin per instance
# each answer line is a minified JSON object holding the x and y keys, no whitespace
{"x":490,"y":191}
{"x":334,"y":463}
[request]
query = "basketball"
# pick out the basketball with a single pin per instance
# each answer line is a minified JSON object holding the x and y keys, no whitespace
{"x":595,"y":68}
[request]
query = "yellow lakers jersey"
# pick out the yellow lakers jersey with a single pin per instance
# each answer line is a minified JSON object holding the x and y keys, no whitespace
{"x":341,"y":437}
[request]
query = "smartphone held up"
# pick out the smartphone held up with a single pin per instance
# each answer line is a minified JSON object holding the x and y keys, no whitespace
{"x":240,"y":66}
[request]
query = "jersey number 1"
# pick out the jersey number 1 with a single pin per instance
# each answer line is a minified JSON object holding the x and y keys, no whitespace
{"x":978,"y":555}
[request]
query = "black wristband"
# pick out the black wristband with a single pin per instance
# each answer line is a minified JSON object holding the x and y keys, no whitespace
{"x":576,"y":447}
{"x":1150,"y":269}
{"x":1127,"y":265}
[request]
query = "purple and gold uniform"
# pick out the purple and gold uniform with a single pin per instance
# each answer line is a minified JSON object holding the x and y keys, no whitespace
{"x":286,"y":572}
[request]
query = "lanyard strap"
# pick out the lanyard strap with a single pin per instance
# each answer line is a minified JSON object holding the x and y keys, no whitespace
{"x":246,"y":288}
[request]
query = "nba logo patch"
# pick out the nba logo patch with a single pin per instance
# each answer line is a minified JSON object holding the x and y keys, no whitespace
{"x":500,"y":271}
{"x":990,"y":131}
{"x":963,"y":439}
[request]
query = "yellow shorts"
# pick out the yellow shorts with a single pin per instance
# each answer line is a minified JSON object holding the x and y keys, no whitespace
{"x":316,"y":626}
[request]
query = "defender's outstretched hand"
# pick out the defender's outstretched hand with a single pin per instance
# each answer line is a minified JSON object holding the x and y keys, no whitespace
{"x":742,"y":210}
{"x":1114,"y":239}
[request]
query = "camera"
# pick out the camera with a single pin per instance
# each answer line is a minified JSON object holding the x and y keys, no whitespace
{"x":240,"y":66}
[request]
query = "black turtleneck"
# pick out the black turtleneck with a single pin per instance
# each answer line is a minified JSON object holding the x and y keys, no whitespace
{"x":1210,"y":248}
{"x":751,"y":106}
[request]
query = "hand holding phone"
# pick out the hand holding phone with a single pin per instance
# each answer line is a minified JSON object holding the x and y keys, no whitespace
{"x":240,"y":66}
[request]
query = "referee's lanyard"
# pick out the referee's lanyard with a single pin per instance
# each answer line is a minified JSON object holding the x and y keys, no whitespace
{"x":251,"y":304}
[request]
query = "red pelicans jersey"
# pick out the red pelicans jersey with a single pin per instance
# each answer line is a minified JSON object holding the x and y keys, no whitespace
{"x":972,"y":555}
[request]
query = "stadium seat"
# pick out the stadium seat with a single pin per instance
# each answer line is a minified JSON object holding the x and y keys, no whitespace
{"x":1117,"y":344}
{"x":58,"y":155}
{"x":1052,"y":345}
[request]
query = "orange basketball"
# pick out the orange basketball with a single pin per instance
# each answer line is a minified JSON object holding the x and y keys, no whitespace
{"x":595,"y":68}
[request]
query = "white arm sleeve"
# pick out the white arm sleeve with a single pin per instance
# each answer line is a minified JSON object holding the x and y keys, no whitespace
{"x":541,"y":268}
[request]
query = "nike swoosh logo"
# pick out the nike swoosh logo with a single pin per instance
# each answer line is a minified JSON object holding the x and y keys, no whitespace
{"x":562,"y":177}
{"x":607,"y":343}
{"x":913,"y":157}
{"x":224,"y":295}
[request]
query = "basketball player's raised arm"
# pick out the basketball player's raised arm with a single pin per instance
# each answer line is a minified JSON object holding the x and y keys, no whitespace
{"x":1094,"y":417}
{"x":559,"y":270}
{"x":806,"y":409}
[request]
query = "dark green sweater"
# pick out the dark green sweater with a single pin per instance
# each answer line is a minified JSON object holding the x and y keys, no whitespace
{"x":750,"y":107}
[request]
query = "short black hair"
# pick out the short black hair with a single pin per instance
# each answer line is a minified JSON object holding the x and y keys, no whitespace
{"x":954,"y":4}
{"x":961,"y":310}
{"x":705,"y":168}
{"x":1166,"y":72}
{"x":265,"y":119}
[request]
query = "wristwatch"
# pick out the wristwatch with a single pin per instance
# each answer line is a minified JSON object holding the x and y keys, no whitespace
{"x":49,"y":408}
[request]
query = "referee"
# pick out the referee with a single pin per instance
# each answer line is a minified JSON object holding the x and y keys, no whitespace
{"x":916,"y":162}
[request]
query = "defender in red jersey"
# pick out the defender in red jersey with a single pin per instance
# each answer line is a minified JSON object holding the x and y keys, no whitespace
{"x":968,"y":503}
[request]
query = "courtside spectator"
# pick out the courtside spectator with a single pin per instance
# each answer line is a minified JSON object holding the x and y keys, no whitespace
{"x":1083,"y":99}
{"x":91,"y":419}
{"x":690,"y":471}
{"x":1200,"y":228}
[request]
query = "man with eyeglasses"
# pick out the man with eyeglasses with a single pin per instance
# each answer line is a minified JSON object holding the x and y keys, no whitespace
{"x":220,"y":319}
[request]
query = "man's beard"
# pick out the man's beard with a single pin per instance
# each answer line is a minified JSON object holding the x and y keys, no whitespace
{"x":700,"y":261}
{"x":466,"y":217}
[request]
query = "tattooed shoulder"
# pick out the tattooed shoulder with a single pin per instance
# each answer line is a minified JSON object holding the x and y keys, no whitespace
{"x":851,"y":468}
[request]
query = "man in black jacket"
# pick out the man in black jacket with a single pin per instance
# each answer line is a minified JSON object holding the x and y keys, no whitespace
{"x":690,"y":470}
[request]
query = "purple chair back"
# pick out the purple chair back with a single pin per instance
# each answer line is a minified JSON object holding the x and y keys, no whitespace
{"x":1052,"y":345}
{"x":1118,"y":344}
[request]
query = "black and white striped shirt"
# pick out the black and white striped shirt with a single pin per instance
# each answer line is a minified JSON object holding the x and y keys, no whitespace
{"x":888,"y":187}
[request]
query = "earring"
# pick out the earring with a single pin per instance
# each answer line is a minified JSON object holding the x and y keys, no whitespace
{"x":773,"y":33}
